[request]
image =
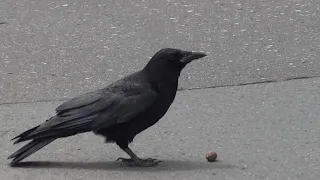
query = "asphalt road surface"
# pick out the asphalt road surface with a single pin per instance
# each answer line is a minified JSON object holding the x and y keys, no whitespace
{"x":54,"y":50}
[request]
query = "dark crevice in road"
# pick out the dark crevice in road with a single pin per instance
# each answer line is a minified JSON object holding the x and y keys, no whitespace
{"x":27,"y":102}
{"x":249,"y":83}
{"x":181,"y":89}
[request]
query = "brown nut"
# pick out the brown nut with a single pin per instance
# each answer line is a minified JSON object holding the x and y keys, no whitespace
{"x":211,"y":156}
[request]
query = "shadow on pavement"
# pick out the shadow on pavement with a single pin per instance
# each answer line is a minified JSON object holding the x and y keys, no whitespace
{"x":166,"y":165}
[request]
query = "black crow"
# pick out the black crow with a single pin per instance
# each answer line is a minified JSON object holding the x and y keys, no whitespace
{"x":118,"y":112}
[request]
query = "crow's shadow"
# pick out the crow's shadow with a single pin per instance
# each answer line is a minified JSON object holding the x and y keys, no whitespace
{"x":165,"y":165}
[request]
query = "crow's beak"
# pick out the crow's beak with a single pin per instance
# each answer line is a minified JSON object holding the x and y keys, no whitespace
{"x":190,"y":56}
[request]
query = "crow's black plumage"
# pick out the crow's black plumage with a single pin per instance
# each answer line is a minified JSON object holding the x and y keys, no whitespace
{"x":118,"y":112}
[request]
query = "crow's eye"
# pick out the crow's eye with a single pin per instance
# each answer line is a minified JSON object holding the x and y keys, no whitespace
{"x":174,"y":57}
{"x":177,"y":54}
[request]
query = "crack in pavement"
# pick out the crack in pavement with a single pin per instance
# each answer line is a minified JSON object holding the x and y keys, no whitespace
{"x":249,"y":83}
{"x":180,"y":89}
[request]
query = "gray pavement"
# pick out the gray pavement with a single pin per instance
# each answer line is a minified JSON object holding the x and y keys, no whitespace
{"x":54,"y":50}
{"x":263,"y":131}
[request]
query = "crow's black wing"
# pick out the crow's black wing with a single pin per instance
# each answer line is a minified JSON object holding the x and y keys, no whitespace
{"x":73,"y":117}
{"x":134,"y":98}
{"x":117,"y":103}
{"x":80,"y":101}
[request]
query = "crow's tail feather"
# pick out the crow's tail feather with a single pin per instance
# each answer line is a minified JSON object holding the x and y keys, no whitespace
{"x":29,"y":149}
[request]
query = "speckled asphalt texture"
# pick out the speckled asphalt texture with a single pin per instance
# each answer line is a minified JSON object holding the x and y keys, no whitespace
{"x":254,"y":99}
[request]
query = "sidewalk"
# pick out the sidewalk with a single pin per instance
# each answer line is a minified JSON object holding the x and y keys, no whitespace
{"x":261,"y":131}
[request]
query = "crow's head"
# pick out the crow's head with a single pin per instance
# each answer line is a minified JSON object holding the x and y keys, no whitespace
{"x":171,"y":61}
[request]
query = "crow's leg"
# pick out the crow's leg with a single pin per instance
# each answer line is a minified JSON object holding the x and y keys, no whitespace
{"x":136,"y":161}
